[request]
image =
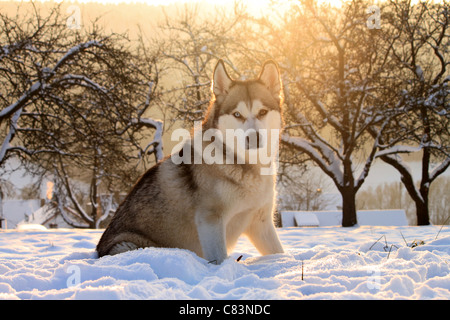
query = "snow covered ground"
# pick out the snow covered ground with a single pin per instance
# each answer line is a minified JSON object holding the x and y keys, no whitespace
{"x":338,"y":263}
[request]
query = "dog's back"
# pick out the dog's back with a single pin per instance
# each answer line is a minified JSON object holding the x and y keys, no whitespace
{"x":145,"y":217}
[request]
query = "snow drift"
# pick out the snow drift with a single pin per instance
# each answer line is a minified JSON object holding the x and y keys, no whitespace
{"x":338,"y":263}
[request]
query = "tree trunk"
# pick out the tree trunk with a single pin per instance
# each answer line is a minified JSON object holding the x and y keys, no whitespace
{"x":348,"y":207}
{"x":420,"y":197}
{"x":423,"y":218}
{"x":422,"y":211}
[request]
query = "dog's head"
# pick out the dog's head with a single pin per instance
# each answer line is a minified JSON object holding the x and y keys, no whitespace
{"x":251,"y":106}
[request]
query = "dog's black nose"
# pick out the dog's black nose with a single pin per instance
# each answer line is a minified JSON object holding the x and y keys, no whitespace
{"x":253,"y":140}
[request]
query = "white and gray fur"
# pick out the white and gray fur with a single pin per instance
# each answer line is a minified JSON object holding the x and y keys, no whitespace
{"x":206,"y":207}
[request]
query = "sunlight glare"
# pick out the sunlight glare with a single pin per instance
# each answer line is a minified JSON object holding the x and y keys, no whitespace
{"x":254,"y":6}
{"x":49,"y":193}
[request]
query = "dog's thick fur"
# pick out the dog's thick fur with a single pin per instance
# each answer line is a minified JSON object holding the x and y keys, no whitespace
{"x":206,"y":207}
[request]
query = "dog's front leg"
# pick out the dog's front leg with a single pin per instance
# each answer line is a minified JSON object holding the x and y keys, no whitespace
{"x":211,"y":233}
{"x":262,"y":232}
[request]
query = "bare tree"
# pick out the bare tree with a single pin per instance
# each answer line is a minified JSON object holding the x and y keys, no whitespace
{"x":76,"y":104}
{"x":332,"y":65}
{"x":302,"y":189}
{"x":191,"y":44}
{"x":421,"y":94}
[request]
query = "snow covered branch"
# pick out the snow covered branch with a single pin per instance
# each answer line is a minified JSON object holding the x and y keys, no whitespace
{"x":157,"y":142}
{"x":330,"y":164}
{"x":6,"y":146}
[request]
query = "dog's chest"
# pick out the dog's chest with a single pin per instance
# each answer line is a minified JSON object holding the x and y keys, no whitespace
{"x":249,"y":193}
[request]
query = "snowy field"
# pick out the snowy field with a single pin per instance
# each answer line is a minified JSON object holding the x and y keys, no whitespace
{"x":338,"y":263}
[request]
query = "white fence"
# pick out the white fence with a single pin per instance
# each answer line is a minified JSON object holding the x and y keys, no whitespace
{"x":334,"y":218}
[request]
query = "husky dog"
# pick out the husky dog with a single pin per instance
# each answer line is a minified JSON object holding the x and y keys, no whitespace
{"x":205,"y":207}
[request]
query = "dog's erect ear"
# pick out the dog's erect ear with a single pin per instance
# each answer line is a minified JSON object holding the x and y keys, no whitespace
{"x":270,"y":76}
{"x":221,"y":80}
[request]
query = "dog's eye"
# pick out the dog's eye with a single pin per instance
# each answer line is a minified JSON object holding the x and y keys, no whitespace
{"x":237,"y":114}
{"x":262,"y":112}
